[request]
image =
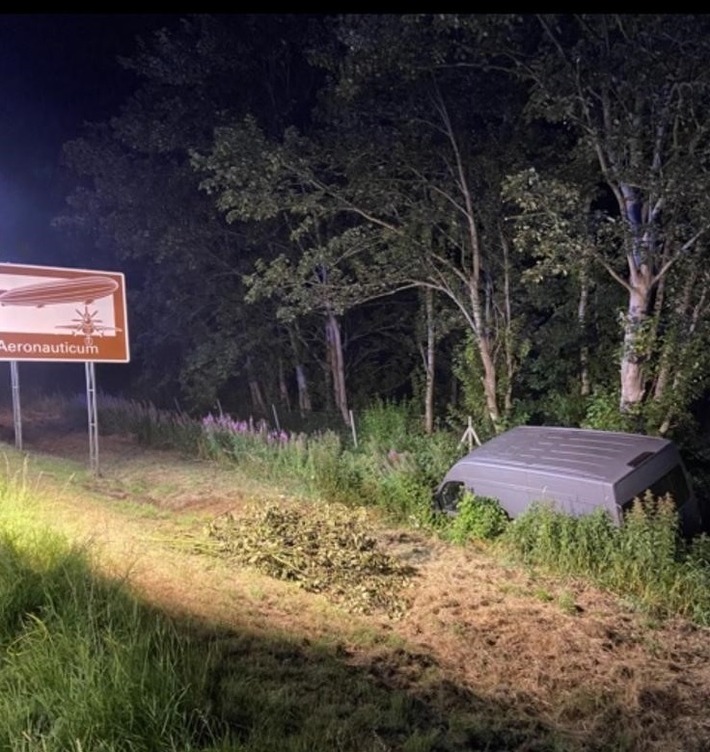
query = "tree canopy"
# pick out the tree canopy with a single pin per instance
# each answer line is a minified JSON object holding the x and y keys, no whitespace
{"x":506,"y":214}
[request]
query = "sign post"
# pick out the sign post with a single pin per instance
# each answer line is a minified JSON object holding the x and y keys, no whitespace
{"x":63,"y":315}
{"x":16,"y":409}
{"x":93,"y":418}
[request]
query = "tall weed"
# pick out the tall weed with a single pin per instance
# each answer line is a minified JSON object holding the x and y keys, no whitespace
{"x":161,"y":429}
{"x":644,"y":559}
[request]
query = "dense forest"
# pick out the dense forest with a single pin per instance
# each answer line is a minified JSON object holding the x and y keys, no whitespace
{"x":495,"y":216}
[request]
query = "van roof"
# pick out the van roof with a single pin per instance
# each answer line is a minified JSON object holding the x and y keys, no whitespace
{"x":577,"y":452}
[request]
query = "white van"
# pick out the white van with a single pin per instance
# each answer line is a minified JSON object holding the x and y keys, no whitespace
{"x":577,"y":470}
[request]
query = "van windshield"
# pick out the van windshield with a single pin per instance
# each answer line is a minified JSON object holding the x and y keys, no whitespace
{"x":449,"y":496}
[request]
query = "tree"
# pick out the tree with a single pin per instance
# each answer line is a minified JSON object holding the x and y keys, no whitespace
{"x":399,"y":187}
{"x":139,"y":201}
{"x":559,"y":233}
{"x":635,"y":90}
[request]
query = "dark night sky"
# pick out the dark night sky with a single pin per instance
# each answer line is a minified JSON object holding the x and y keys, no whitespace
{"x":57,"y":71}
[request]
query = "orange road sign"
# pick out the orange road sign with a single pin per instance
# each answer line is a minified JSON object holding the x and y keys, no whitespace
{"x":59,"y":314}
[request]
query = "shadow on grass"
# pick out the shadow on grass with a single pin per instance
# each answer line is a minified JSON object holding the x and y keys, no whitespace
{"x":84,"y":665}
{"x":271,"y":694}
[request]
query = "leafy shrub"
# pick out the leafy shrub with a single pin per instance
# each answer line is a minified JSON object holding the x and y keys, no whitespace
{"x":649,"y":539}
{"x":477,"y":518}
{"x":405,"y":496}
{"x":603,"y":412}
{"x":331,"y":472}
{"x":387,"y":425}
{"x":544,"y":536}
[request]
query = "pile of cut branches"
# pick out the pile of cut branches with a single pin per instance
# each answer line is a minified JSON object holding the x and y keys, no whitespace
{"x":326,"y":549}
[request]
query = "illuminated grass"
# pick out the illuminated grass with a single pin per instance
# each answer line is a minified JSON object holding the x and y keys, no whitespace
{"x":84,"y":665}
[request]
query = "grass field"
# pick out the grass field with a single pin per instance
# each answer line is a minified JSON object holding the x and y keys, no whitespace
{"x":124,"y":627}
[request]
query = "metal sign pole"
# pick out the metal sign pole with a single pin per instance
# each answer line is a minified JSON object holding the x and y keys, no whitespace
{"x":16,"y":410}
{"x":93,"y":421}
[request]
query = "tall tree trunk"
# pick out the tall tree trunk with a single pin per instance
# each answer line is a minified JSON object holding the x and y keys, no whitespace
{"x":489,"y":379}
{"x":509,"y":343}
{"x":304,"y":397}
{"x":584,"y":382}
{"x":283,"y":387}
{"x":640,"y":253}
{"x":336,"y":363}
{"x":429,"y":362}
{"x":635,"y":350}
{"x":257,"y":398}
{"x":481,"y":334}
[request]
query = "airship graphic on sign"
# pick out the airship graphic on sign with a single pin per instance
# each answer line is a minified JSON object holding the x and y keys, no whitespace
{"x":85,"y":291}
{"x":43,"y":310}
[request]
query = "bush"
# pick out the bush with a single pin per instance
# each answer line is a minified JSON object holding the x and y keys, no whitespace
{"x":546,"y":537}
{"x":478,"y":518}
{"x":388,"y":426}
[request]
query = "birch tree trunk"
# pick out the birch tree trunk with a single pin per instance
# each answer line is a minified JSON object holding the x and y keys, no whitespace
{"x":641,"y":253}
{"x":336,"y":363}
{"x":635,"y":347}
{"x":304,"y":397}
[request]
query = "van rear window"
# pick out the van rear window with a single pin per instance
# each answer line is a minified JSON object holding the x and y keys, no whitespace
{"x":674,"y":483}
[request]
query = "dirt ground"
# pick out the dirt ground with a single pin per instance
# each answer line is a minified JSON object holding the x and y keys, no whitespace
{"x":561,"y":651}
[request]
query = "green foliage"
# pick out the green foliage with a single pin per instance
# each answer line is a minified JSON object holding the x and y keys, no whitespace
{"x":603,"y":412}
{"x":385,"y":425}
{"x":398,"y":186}
{"x":644,"y":559}
{"x":477,"y":518}
{"x":467,"y":369}
{"x":571,"y":545}
{"x":406,"y":496}
{"x":552,"y":227}
{"x":562,"y":408}
{"x":82,"y":666}
{"x":334,"y":471}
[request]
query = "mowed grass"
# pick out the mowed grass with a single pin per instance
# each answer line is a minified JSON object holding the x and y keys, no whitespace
{"x":89,"y":661}
{"x":87,"y":665}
